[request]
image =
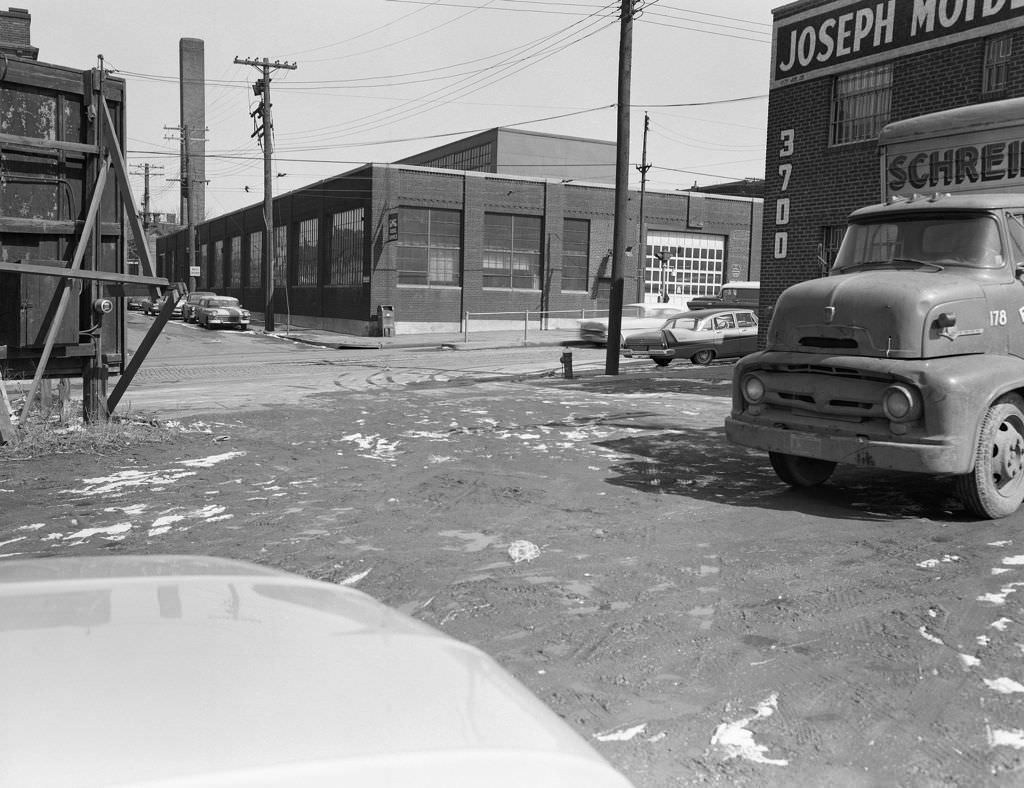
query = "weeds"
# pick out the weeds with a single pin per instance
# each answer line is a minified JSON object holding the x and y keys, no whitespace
{"x":43,"y":435}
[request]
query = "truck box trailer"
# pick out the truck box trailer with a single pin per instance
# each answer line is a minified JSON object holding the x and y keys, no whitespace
{"x":66,"y":211}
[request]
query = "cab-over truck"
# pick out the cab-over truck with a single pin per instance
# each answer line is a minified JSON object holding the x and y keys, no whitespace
{"x":909,"y":355}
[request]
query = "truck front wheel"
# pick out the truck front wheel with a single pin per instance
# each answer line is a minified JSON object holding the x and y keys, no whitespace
{"x":995,"y":488}
{"x":801,"y":471}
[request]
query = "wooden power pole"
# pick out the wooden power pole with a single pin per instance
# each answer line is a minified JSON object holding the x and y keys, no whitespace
{"x":619,"y":231}
{"x":262,"y":88}
{"x":641,"y":240}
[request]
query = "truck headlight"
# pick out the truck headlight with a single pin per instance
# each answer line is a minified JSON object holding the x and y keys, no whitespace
{"x":753,"y":389}
{"x":901,"y":403}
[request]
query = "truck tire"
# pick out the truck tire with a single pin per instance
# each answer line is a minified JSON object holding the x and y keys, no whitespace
{"x":801,"y":471}
{"x":995,"y":488}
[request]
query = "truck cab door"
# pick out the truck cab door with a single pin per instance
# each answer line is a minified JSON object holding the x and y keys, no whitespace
{"x":1015,"y":302}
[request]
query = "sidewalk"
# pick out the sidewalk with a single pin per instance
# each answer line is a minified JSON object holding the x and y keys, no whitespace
{"x":477,"y":340}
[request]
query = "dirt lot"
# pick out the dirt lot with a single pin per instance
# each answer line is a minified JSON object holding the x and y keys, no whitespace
{"x":688,"y":615}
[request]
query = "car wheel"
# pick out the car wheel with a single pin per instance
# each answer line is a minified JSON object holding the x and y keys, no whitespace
{"x":801,"y":471}
{"x":995,"y":488}
{"x":662,"y":362}
{"x":702,"y":357}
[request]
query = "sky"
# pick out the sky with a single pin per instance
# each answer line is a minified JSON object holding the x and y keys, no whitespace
{"x":380,"y":80}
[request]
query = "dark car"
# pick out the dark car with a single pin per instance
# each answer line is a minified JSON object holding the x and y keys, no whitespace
{"x":701,"y":336}
{"x":220,"y":311}
{"x":732,"y":295}
{"x":155,"y":307}
{"x":138,"y":303}
{"x":188,"y":311}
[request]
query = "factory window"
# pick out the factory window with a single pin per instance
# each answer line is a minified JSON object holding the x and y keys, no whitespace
{"x":217,"y":266}
{"x":307,"y":253}
{"x":280,"y":256}
{"x":429,"y":247}
{"x":831,"y":238}
{"x":255,"y":258}
{"x":512,"y":251}
{"x":203,"y":261}
{"x":860,"y":104}
{"x":235,"y":261}
{"x":575,"y":254}
{"x":346,"y":266}
{"x":997,"y":62}
{"x":478,"y":158}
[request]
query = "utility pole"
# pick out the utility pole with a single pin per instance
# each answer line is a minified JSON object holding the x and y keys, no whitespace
{"x":262,"y":88}
{"x":621,"y":190}
{"x":188,"y":189}
{"x":641,"y":244}
{"x":147,"y":215}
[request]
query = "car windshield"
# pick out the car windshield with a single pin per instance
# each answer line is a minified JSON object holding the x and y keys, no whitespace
{"x":937,"y":241}
{"x":221,"y":302}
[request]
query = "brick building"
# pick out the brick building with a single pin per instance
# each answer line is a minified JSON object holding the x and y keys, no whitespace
{"x":435,"y":244}
{"x":841,"y":70}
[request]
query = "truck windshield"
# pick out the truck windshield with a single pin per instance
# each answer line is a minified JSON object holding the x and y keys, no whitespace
{"x":933,"y":241}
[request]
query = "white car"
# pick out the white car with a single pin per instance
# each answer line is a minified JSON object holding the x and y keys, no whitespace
{"x":194,"y":671}
{"x":635,"y":317}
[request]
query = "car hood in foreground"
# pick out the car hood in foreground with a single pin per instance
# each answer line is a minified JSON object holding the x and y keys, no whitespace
{"x":176,"y":670}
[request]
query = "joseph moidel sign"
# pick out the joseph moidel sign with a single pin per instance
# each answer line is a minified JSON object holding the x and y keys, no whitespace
{"x":819,"y":42}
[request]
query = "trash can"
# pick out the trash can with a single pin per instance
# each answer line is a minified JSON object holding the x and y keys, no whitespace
{"x":386,"y":319}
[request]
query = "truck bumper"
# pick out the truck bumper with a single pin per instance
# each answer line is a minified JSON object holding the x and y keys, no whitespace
{"x":935,"y":458}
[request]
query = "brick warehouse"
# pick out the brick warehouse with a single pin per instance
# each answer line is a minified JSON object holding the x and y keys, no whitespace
{"x":843,"y":69}
{"x":436,"y":244}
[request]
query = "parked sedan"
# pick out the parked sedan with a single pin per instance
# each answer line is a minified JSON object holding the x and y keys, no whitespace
{"x":701,"y":336}
{"x":188,"y":311}
{"x":198,"y":671}
{"x":635,"y":317}
{"x":220,"y":311}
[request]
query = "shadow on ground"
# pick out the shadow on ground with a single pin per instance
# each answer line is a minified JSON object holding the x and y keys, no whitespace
{"x":701,"y":464}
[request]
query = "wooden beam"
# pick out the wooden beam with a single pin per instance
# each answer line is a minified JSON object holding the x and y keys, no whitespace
{"x":39,"y":143}
{"x":140,"y":354}
{"x":94,"y":276}
{"x":11,"y":224}
{"x":7,"y":432}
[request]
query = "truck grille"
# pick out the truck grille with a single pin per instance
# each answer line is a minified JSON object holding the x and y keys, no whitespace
{"x":828,"y":391}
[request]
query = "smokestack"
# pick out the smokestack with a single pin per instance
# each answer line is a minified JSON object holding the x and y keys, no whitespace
{"x":192,"y":81}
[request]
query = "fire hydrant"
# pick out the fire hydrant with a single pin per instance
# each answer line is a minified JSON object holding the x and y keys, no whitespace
{"x":566,"y":364}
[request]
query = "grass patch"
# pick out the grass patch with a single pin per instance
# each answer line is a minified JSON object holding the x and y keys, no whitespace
{"x":44,"y":435}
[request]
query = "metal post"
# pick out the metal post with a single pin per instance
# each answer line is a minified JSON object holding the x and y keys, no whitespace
{"x":465,"y":329}
{"x":526,"y":325}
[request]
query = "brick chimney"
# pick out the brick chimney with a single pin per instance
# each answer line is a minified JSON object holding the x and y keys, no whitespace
{"x":15,"y":36}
